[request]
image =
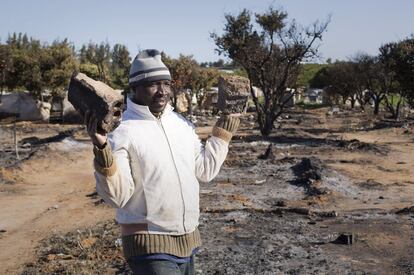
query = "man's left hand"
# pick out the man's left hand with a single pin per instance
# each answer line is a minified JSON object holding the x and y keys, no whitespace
{"x":229,"y":123}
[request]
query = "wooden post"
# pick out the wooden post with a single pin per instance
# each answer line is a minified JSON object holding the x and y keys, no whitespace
{"x":16,"y":148}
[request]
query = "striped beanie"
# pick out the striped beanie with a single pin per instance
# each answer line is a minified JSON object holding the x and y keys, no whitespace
{"x":147,"y":66}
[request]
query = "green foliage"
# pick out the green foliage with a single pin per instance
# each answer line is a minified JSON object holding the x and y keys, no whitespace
{"x":25,"y":63}
{"x":5,"y":66}
{"x":100,"y":62}
{"x":320,"y":79}
{"x":99,"y":55}
{"x":307,"y":74}
{"x":37,"y":67}
{"x":120,"y":66}
{"x":26,"y":56}
{"x":402,"y":54}
{"x":57,"y":65}
{"x":395,"y":99}
{"x":386,"y":79}
{"x":89,"y":69}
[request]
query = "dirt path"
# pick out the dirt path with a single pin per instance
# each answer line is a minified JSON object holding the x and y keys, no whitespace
{"x":52,"y":198}
{"x":365,"y":176}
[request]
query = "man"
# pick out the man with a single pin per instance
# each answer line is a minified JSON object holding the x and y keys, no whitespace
{"x":149,"y":171}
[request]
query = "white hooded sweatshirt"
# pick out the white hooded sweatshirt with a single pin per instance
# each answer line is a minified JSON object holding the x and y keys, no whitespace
{"x":158,"y":165}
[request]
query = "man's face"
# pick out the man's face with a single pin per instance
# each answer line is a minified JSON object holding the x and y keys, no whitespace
{"x":154,"y":94}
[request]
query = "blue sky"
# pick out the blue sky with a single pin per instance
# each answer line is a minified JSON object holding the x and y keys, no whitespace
{"x":185,"y":26}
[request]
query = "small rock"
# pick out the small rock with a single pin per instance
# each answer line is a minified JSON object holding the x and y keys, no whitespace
{"x":345,"y":238}
{"x":280,"y":203}
{"x":53,"y":207}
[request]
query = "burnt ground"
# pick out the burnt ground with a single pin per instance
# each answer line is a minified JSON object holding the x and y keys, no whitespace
{"x":324,"y":194}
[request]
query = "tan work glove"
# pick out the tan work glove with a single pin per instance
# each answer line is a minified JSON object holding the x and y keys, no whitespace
{"x":226,"y":126}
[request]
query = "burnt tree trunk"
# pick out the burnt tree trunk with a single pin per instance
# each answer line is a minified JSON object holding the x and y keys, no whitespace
{"x":394,"y":110}
{"x":267,"y":127}
{"x":353,"y":101}
{"x":376,"y":107}
{"x":377,"y":101}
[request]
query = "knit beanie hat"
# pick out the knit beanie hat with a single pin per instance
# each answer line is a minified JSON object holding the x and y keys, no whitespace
{"x":147,"y":66}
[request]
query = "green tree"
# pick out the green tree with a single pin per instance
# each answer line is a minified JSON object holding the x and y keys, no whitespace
{"x":5,"y":66}
{"x":341,"y":82}
{"x":394,"y":95}
{"x":38,"y":67}
{"x":402,"y":53}
{"x":368,"y":68}
{"x":58,"y":62}
{"x":321,"y":78}
{"x":380,"y":78}
{"x":120,"y":64}
{"x":271,"y":55}
{"x":24,"y":58}
{"x":98,"y":55}
{"x":27,"y":72}
{"x":89,"y":69}
{"x":307,"y":72}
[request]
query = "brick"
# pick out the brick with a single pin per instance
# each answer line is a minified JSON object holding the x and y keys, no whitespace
{"x":233,"y":94}
{"x":88,"y":94}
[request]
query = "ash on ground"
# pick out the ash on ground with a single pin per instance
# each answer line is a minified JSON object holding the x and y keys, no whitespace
{"x":278,"y":206}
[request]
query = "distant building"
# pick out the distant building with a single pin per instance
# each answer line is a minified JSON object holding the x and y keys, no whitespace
{"x":312,"y":95}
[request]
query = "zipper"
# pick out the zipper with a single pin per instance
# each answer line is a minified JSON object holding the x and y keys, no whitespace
{"x":176,"y":170}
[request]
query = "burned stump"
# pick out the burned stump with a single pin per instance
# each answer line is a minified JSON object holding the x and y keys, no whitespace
{"x":233,"y":94}
{"x":88,"y":94}
{"x":268,"y":153}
